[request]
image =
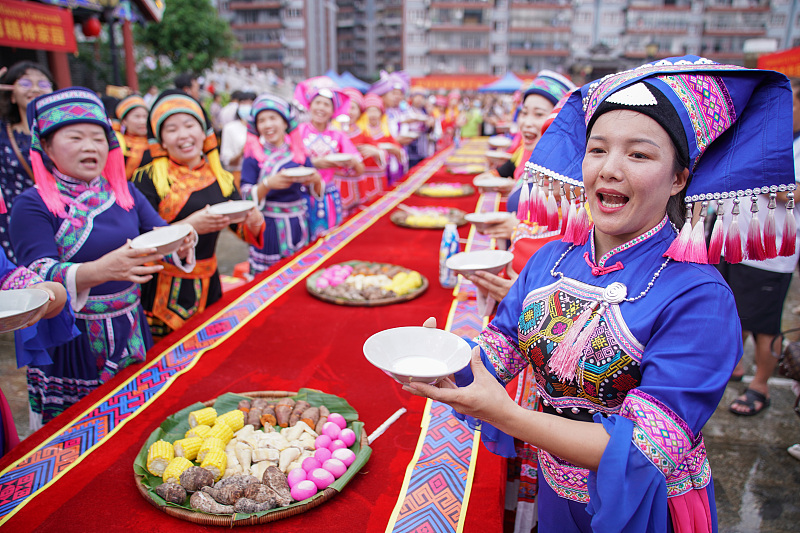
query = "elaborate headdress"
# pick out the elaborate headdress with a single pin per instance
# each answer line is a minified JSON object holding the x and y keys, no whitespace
{"x":270,"y":102}
{"x":389,"y":81}
{"x":128,"y":104}
{"x":73,"y":105}
{"x":373,"y":100}
{"x":737,"y":128}
{"x":355,"y":96}
{"x":306,"y":91}
{"x":172,"y":102}
{"x":550,"y":85}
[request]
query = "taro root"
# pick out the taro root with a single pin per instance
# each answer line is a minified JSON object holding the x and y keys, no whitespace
{"x":226,"y":495}
{"x":254,"y":417}
{"x":239,"y":480}
{"x":323,"y":417}
{"x":261,"y":494}
{"x":195,"y":478}
{"x":276,"y":480}
{"x":310,"y":416}
{"x":246,"y":505}
{"x":297,"y":412}
{"x":244,"y":405}
{"x":205,"y":503}
{"x":172,"y":492}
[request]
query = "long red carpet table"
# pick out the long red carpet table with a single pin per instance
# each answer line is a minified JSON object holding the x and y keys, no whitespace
{"x":428,"y":472}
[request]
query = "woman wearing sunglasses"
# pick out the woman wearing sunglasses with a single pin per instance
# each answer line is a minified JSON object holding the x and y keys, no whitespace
{"x":23,"y":82}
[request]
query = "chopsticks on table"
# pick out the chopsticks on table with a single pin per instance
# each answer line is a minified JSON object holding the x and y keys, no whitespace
{"x":383,"y":427}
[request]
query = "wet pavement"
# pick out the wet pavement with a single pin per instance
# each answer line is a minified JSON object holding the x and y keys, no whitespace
{"x":757,"y":482}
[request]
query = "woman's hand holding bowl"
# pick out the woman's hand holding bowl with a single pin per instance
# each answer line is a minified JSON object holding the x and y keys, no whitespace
{"x":204,"y":221}
{"x":129,"y":264}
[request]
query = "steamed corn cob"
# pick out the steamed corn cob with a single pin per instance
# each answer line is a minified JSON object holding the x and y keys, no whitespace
{"x":175,"y":468}
{"x":200,"y":430}
{"x":158,"y":457}
{"x":210,"y":443}
{"x":235,"y":419}
{"x":215,"y":462}
{"x":222,"y":431}
{"x":205,"y":416}
{"x":188,"y":448}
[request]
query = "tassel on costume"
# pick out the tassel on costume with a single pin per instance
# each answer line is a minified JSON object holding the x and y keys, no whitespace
{"x":46,"y":184}
{"x":697,"y":252}
{"x":770,"y":230}
{"x":568,"y":226}
{"x":524,"y":207}
{"x":733,"y":240}
{"x":583,"y":225}
{"x":552,"y":209}
{"x":717,"y":236}
{"x":679,"y":249}
{"x":541,"y":204}
{"x":789,"y":242}
{"x":564,"y":361}
{"x":115,"y":174}
{"x":565,"y":210}
{"x":534,"y":199}
{"x":755,"y":247}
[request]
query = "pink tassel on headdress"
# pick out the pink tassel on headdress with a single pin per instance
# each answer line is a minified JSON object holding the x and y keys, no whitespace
{"x":564,"y":361}
{"x":115,"y":174}
{"x":534,"y":200}
{"x":568,"y":227}
{"x":46,"y":185}
{"x":565,"y":210}
{"x":583,"y":226}
{"x":679,"y":249}
{"x":717,"y":236}
{"x":770,"y":229}
{"x":541,"y":204}
{"x":755,"y":247}
{"x":733,"y":241}
{"x":789,"y":242}
{"x":524,"y":207}
{"x":552,"y":209}
{"x":696,"y":252}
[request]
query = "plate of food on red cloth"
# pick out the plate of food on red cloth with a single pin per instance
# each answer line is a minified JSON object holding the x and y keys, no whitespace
{"x":366,"y":284}
{"x":251,"y":458}
{"x":428,"y":217}
{"x":445,"y":190}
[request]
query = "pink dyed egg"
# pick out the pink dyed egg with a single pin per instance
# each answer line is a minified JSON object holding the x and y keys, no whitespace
{"x":348,"y":436}
{"x":309,"y":464}
{"x":335,"y":467}
{"x":344,"y":455}
{"x":337,"y":445}
{"x":304,"y":489}
{"x":323,"y":441}
{"x":321,"y":478}
{"x":322,"y":454}
{"x":331,"y":430}
{"x":337,"y":419}
{"x":296,"y":476}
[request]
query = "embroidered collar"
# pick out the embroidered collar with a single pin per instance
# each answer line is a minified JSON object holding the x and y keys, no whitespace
{"x":621,"y":248}
{"x":75,"y":185}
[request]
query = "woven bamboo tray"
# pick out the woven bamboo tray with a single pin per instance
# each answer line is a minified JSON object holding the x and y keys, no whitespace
{"x":453,"y":215}
{"x":311,"y":286}
{"x":244,"y":520}
{"x":431,"y":191}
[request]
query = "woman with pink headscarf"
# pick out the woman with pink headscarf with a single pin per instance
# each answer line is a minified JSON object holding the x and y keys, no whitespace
{"x":320,"y":141}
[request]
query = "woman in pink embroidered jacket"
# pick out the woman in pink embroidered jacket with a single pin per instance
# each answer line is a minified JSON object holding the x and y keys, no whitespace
{"x":631,"y":334}
{"x":324,"y":145}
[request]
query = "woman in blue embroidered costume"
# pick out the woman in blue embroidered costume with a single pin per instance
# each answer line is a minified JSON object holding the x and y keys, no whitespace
{"x":282,"y":198}
{"x":631,"y":336}
{"x":74,"y":228}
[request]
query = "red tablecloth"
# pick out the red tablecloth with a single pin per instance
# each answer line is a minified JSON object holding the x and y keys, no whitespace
{"x":297,"y":341}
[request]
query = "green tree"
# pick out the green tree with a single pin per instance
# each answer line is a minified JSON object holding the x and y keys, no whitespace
{"x":190,"y":36}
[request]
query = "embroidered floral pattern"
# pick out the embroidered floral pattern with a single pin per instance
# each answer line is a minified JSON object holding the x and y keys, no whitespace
{"x":19,"y":278}
{"x":501,"y":352}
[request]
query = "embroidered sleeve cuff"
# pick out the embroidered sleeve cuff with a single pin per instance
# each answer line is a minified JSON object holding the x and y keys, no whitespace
{"x":77,"y":299}
{"x":505,"y":357}
{"x":19,"y":278}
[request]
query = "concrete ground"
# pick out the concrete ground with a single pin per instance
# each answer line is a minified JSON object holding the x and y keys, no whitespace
{"x":757,"y":483}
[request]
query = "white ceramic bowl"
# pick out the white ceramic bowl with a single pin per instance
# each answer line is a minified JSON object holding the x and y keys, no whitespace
{"x":497,"y":155}
{"x":415,"y":353}
{"x":298,"y":172}
{"x":165,"y":240}
{"x":499,"y":141}
{"x":492,"y":182}
{"x":338,"y":158}
{"x":410,"y":135}
{"x":385,"y":146}
{"x":492,"y":261}
{"x":236,"y":210}
{"x":21,"y":307}
{"x":482,"y":220}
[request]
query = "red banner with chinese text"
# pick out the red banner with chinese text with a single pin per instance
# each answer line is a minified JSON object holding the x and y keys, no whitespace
{"x":786,"y":62}
{"x":38,"y":27}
